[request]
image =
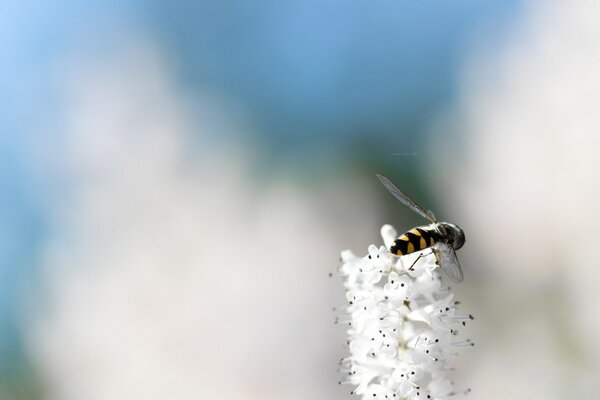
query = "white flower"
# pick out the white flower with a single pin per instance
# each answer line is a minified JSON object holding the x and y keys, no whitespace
{"x":403,"y":325}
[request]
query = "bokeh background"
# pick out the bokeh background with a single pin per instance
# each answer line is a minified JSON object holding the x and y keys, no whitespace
{"x":177,"y":180}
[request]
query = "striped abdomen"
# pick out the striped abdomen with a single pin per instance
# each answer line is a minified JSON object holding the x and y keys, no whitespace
{"x":414,"y":240}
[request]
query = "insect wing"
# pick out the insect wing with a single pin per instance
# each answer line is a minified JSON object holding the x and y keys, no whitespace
{"x":446,"y":257}
{"x":430,"y":216}
{"x":404,"y":199}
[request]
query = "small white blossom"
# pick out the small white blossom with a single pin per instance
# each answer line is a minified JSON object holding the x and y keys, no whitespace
{"x":403,"y":325}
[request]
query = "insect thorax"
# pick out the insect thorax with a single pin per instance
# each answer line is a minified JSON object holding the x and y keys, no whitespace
{"x":455,"y":236}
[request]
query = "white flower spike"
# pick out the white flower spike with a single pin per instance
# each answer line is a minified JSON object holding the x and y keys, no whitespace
{"x":403,"y":326}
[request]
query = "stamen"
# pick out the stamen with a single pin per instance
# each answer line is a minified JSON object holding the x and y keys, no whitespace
{"x":463,"y":343}
{"x":459,"y":393}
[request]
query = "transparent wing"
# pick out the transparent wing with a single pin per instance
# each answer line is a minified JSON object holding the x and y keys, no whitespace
{"x":404,"y":199}
{"x":446,"y":257}
{"x":431,"y":216}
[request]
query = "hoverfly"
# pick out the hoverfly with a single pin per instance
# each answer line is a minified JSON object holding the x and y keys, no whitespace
{"x":443,"y":238}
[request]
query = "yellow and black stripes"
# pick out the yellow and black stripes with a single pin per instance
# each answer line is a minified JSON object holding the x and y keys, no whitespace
{"x":414,"y":240}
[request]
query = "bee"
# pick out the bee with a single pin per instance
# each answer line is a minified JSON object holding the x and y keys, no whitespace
{"x":443,"y":238}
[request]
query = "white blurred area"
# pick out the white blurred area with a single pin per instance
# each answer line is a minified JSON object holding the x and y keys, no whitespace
{"x":171,"y":274}
{"x":525,"y":186}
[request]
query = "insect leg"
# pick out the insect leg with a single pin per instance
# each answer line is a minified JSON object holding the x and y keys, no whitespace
{"x":411,"y":268}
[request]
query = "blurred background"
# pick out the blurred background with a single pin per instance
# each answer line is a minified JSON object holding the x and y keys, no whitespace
{"x":177,"y":181}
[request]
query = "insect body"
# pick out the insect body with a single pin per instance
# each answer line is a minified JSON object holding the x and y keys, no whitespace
{"x":416,"y":239}
{"x":442,"y":237}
